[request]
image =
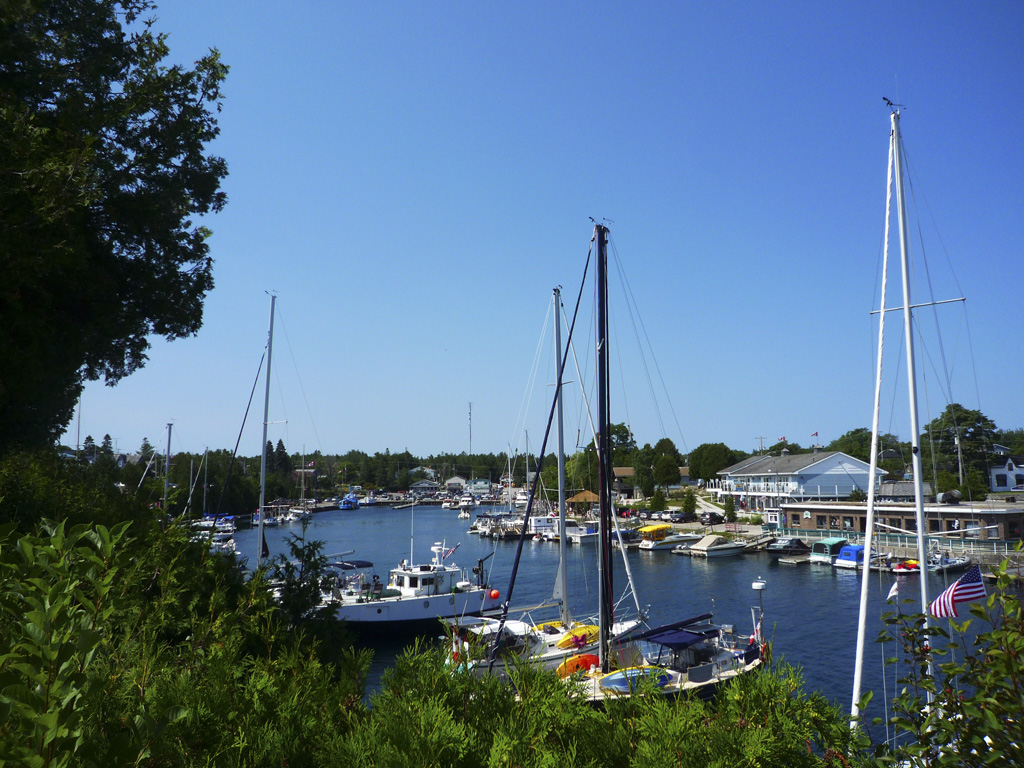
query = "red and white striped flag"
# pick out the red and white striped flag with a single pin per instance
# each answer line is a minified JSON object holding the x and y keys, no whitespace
{"x":968,"y":587}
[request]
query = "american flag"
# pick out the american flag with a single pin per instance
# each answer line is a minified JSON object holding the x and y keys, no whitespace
{"x":451,"y":551}
{"x":968,"y":587}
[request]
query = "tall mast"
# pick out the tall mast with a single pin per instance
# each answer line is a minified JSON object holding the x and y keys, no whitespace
{"x":870,"y":526}
{"x":562,"y":587}
{"x":604,"y":459}
{"x":167,"y":466}
{"x":260,"y":542}
{"x":908,"y":332}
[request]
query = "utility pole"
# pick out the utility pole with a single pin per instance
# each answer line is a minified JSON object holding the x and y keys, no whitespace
{"x":760,"y":441}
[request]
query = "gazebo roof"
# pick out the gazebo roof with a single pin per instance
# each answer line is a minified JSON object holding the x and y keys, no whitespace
{"x":584,"y":497}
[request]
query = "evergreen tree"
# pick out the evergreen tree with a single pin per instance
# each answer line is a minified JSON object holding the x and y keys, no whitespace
{"x":104,"y":177}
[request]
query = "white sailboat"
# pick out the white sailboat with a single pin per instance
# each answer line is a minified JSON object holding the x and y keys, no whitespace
{"x":895,"y":182}
{"x":694,"y":654}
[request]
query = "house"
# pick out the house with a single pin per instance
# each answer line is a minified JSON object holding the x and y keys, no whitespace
{"x":455,"y":484}
{"x":1007,"y":474}
{"x":424,"y":487}
{"x":479,"y":487}
{"x":762,"y":483}
{"x":430,"y":474}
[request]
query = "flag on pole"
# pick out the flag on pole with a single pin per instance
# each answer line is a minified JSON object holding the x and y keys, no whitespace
{"x":968,"y":587}
{"x":451,"y":551}
{"x":814,"y":434}
{"x":782,"y":439}
{"x":894,"y":591}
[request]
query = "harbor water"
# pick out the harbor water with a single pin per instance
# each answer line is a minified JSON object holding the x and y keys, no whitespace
{"x":810,"y":610}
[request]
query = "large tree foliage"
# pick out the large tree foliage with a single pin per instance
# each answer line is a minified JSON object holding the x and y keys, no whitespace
{"x":974,"y":430}
{"x":102,"y":171}
{"x":707,"y":459}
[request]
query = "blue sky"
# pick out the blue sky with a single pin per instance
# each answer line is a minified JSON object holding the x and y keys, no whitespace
{"x":412,"y":180}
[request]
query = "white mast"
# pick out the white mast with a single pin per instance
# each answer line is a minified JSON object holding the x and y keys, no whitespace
{"x":870,"y":527}
{"x":908,"y":331}
{"x":895,"y":173}
{"x":266,"y":418}
{"x":562,"y":585}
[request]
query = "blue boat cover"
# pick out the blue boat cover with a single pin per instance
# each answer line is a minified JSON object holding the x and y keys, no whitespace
{"x":677,"y":636}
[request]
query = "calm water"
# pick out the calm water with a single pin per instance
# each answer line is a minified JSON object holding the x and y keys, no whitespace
{"x":810,"y":611}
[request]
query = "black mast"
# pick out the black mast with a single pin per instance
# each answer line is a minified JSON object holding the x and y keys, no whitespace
{"x":604,"y":458}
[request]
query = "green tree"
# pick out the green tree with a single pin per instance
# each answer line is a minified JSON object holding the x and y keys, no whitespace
{"x":730,"y":509}
{"x":666,"y":471}
{"x":690,"y":502}
{"x":707,"y":459}
{"x":643,"y":470}
{"x":974,"y":431}
{"x":104,"y":173}
{"x":658,"y":501}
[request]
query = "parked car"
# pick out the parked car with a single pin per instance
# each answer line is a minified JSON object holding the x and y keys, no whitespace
{"x":685,"y":517}
{"x":712,"y":518}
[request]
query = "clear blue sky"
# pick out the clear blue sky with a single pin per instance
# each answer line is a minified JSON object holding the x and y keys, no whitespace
{"x":413,"y":178}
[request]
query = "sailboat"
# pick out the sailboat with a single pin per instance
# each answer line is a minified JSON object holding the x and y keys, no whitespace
{"x":894,"y":181}
{"x":563,"y":644}
{"x":695,"y":654}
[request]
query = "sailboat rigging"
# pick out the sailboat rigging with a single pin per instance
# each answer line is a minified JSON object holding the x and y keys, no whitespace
{"x":894,"y":182}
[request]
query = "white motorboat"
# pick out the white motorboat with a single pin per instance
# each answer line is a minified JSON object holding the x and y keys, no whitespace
{"x":416,"y":593}
{"x":659,"y":536}
{"x":714,"y":545}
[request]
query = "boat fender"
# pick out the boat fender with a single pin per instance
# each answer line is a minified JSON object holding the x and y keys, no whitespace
{"x":495,"y":594}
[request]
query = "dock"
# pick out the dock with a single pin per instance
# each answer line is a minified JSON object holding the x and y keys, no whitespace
{"x":799,"y":560}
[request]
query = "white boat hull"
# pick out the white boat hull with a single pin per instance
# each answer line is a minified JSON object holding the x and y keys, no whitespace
{"x":423,"y":608}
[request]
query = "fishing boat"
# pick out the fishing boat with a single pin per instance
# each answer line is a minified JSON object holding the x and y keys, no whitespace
{"x":349,"y":501}
{"x":417,"y":595}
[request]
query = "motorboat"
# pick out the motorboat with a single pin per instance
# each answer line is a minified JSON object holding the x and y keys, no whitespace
{"x":943,"y":563}
{"x":659,"y":536}
{"x":714,"y":545}
{"x":851,"y":556}
{"x":788,"y":546}
{"x":827,"y":550}
{"x":467,"y":501}
{"x":349,"y":502}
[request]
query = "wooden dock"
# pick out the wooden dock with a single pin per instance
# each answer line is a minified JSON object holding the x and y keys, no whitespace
{"x":799,"y":560}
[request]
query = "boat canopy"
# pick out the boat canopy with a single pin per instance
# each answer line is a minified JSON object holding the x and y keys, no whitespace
{"x":350,"y":565}
{"x":680,"y":634}
{"x":829,"y":545}
{"x":653,"y":528}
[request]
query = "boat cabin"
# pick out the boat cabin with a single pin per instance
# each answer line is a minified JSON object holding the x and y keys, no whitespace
{"x":827,"y":550}
{"x":850,"y":556}
{"x":654,"y":532}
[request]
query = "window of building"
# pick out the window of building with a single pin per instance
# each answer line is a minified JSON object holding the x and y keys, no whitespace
{"x":933,"y":526}
{"x":848,"y":523}
{"x":820,"y":522}
{"x":910,"y":524}
{"x":1018,"y":479}
{"x":1000,"y":481}
{"x":796,"y":519}
{"x":1013,"y":529}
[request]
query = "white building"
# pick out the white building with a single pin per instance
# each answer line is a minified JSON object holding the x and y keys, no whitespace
{"x":761,"y":484}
